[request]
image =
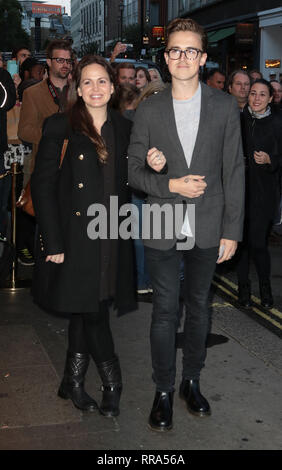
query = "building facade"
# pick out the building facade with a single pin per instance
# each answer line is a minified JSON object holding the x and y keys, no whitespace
{"x":44,"y":22}
{"x":242,"y":34}
{"x":87,"y":24}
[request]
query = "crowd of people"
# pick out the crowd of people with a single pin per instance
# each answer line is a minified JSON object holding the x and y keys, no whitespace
{"x":85,"y":131}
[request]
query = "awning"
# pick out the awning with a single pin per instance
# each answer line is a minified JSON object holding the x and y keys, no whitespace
{"x":215,"y":36}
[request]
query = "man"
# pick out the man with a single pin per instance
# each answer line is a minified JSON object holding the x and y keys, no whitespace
{"x":7,"y":101}
{"x":216,"y":79}
{"x":47,"y":97}
{"x":125,"y":74}
{"x":239,"y":86}
{"x":39,"y":102}
{"x":277,"y":94}
{"x":20,"y":54}
{"x":255,"y":75}
{"x":197,"y":130}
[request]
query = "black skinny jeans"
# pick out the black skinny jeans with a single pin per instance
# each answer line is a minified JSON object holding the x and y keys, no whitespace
{"x":164,"y":270}
{"x":91,"y":333}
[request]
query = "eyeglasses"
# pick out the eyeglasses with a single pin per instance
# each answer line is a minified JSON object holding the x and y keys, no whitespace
{"x":191,"y":53}
{"x":61,"y":60}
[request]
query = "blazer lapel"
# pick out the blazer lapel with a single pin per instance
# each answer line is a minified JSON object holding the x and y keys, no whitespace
{"x":205,"y":116}
{"x":167,"y":117}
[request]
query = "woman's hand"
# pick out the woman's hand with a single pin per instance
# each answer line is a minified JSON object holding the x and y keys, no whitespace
{"x":188,"y":186}
{"x":58,"y":259}
{"x":156,"y":159}
{"x":16,"y":79}
{"x":261,"y":158}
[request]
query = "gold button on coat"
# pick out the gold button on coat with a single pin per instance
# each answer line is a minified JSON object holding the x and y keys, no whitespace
{"x":80,"y":185}
{"x":78,"y":213}
{"x":81,"y":157}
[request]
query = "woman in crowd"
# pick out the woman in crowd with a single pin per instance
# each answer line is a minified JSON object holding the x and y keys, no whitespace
{"x":142,"y":78}
{"x":262,"y":141}
{"x":76,"y":270}
{"x":155,"y":75}
{"x":124,"y":100}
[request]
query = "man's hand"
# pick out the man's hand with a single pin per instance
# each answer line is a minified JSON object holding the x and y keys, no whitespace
{"x":188,"y":186}
{"x":118,"y":49}
{"x":58,"y":259}
{"x":156,"y":159}
{"x":227,"y":249}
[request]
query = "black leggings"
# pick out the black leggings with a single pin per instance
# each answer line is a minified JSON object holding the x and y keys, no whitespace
{"x":91,"y":333}
{"x":255,"y":246}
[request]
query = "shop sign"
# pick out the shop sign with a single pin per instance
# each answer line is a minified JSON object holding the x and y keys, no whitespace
{"x":272,"y":64}
{"x":245,"y":33}
{"x":158,"y":31}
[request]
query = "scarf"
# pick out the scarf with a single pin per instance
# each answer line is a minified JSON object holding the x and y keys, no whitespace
{"x":259,"y":115}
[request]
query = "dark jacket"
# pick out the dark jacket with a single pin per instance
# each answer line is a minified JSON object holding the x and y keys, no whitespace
{"x":262,"y":181}
{"x":61,"y":200}
{"x":7,"y":101}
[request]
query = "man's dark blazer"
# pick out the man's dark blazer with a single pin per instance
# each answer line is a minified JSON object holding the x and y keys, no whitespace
{"x":219,"y":212}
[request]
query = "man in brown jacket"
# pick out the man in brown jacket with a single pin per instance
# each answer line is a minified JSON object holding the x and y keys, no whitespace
{"x":45,"y":98}
{"x":39,"y":102}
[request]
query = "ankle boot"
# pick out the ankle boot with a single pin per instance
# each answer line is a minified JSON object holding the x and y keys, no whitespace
{"x":196,"y":403}
{"x":244,"y":294}
{"x":265,"y":293}
{"x":72,"y":385}
{"x":110,"y":374}
{"x":161,"y":415}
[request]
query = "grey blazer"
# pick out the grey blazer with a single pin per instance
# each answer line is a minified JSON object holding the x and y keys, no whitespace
{"x":219,"y":212}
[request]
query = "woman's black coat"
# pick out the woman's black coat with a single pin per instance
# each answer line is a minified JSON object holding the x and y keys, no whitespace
{"x":61,"y":200}
{"x":263,"y":187}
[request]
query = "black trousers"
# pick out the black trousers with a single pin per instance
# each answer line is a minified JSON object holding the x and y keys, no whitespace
{"x":164,"y":269}
{"x":91,"y":333}
{"x":255,"y":246}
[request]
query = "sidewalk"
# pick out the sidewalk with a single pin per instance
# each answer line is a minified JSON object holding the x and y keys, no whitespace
{"x":242,"y":381}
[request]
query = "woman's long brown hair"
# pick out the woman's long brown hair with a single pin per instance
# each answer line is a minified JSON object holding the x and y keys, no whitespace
{"x":80,"y":118}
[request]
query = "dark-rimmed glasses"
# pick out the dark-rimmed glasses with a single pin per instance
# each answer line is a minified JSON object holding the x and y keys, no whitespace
{"x":191,"y":53}
{"x":61,"y":60}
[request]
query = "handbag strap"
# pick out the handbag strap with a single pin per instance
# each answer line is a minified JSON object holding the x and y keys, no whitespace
{"x":64,"y":148}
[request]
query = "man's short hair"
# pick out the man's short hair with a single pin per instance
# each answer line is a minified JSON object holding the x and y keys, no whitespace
{"x":212,"y":72}
{"x":187,"y":24}
{"x":16,"y":50}
{"x":58,"y":44}
{"x":233,"y":74}
{"x":124,"y":65}
{"x":256,"y":71}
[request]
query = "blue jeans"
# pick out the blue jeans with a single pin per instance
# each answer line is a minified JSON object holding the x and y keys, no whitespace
{"x":143,"y":280}
{"x":164,"y":268}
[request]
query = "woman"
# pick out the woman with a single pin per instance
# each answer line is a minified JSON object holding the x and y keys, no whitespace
{"x":155,"y":75}
{"x":76,"y":271}
{"x":261,"y":131}
{"x":124,"y":100}
{"x":142,"y":78}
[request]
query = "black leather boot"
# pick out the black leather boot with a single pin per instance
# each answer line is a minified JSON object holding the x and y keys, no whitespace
{"x":110,"y":374}
{"x":265,"y":293}
{"x":244,"y":294}
{"x":72,"y":385}
{"x":196,"y":403}
{"x":160,"y":418}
